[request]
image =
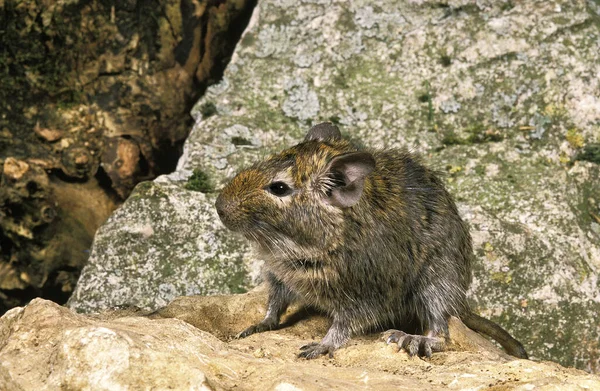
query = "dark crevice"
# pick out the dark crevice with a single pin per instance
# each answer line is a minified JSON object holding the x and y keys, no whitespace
{"x":53,"y":288}
{"x":10,"y":298}
{"x":143,"y":165}
{"x":234,"y":34}
{"x":60,"y":174}
{"x":159,"y":152}
{"x":105,"y":183}
{"x":184,"y":48}
{"x":166,"y":156}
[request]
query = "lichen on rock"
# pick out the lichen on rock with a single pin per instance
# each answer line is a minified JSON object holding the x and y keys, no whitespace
{"x":171,"y":245}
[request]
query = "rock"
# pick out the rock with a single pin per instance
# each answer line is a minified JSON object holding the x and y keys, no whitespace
{"x":121,"y":162}
{"x":200,"y":258}
{"x":14,"y":169}
{"x":46,"y":347}
{"x":50,"y":135}
{"x":501,"y":96}
{"x":77,"y":162}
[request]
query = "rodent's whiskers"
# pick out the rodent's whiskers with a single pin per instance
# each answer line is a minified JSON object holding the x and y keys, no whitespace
{"x":431,"y":189}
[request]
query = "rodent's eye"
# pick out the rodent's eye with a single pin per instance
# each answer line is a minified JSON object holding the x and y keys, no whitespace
{"x":280,"y":189}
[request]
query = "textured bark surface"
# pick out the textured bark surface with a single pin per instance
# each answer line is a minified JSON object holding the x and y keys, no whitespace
{"x":95,"y":98}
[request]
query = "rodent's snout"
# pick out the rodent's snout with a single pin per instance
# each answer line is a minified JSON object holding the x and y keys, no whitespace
{"x":227,"y":210}
{"x":239,"y":200}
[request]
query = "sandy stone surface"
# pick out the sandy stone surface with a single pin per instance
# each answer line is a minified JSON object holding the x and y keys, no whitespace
{"x":45,"y":347}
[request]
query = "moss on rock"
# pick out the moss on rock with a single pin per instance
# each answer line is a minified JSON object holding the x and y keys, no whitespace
{"x":199,"y":181}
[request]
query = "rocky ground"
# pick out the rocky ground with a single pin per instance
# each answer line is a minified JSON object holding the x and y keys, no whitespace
{"x":189,"y":345}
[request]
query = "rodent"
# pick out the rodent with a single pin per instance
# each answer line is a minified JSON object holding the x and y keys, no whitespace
{"x":370,"y":237}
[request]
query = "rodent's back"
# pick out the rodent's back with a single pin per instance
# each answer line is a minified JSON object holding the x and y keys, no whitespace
{"x":407,"y":230}
{"x":419,"y":207}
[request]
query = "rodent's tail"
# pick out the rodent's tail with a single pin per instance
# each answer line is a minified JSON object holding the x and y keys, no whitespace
{"x":494,"y":331}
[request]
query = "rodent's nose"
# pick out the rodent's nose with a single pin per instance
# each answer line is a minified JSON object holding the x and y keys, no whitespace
{"x":222,"y":205}
{"x":226,"y":209}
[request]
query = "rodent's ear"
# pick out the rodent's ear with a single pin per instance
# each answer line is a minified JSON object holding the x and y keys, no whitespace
{"x":323,"y":131}
{"x":353,"y":168}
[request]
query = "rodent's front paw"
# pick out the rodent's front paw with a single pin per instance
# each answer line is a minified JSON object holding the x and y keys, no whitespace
{"x":257,"y":328}
{"x":314,"y":350}
{"x":414,"y":344}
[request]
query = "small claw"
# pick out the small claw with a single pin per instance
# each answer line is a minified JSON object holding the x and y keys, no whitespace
{"x":411,"y":345}
{"x":314,"y":350}
{"x":249,"y":331}
{"x":427,"y":351}
{"x":415,"y":345}
{"x":309,"y":355}
{"x":395,"y":336}
{"x":257,"y":328}
{"x":308,"y":346}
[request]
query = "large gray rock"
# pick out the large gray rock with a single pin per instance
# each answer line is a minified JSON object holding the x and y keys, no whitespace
{"x":163,"y":242}
{"x":501,"y":95}
{"x":47,"y":347}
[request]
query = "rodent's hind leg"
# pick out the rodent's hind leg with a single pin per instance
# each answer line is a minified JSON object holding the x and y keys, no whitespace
{"x":337,"y":335}
{"x":280,"y":298}
{"x":420,"y":345}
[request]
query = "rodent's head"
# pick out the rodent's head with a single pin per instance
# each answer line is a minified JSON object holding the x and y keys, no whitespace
{"x":292,"y":203}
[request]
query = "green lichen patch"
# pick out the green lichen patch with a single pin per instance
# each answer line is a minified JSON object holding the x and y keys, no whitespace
{"x":199,"y":181}
{"x":589,"y":153}
{"x":248,"y":40}
{"x":445,"y":60}
{"x":481,"y":134}
{"x":334,"y":119}
{"x":240,"y":141}
{"x":574,"y":138}
{"x":426,"y":96}
{"x":451,"y":138}
{"x":208,"y":109}
{"x":507,"y":5}
{"x":474,"y":134}
{"x":345,"y":21}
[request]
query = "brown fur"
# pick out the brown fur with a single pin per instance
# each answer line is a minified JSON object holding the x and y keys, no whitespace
{"x":370,"y":237}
